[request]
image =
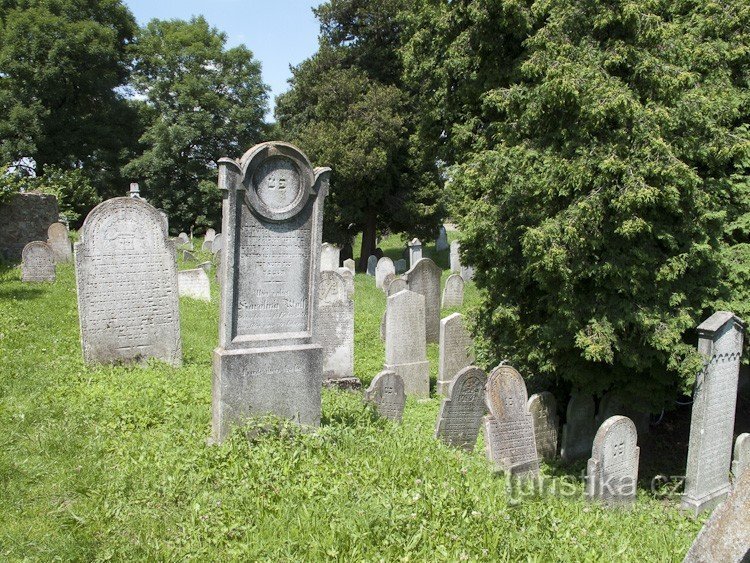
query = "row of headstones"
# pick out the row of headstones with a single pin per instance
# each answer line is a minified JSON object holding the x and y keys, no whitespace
{"x":40,"y":258}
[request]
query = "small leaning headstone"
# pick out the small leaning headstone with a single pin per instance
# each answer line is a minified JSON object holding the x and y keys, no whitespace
{"x":543,"y":409}
{"x":453,"y":292}
{"x":461,"y":411}
{"x":382,"y":269}
{"x":210,"y":235}
{"x":194,"y":284}
{"x":217,"y":244}
{"x":741,"y":455}
{"x":59,"y":242}
{"x":612,"y":470}
{"x":455,"y":350}
{"x":386,"y":394}
{"x":37,"y":262}
{"x":579,"y":429}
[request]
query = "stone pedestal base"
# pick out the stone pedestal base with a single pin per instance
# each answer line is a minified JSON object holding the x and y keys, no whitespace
{"x":284,"y":381}
{"x":708,"y":502}
{"x":416,"y":377}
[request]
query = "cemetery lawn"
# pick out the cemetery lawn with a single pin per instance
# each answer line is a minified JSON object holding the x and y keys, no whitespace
{"x":112,"y":463}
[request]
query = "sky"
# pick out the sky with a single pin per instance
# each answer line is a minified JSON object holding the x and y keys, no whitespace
{"x":278,"y":32}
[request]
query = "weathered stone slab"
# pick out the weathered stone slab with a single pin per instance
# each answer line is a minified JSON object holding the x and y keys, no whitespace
{"x":405,"y":347}
{"x":543,"y":409}
{"x":336,"y":326}
{"x":25,"y":218}
{"x":741,"y":455}
{"x":210,"y":235}
{"x":386,"y":394}
{"x":218,"y":244}
{"x":462,"y":410}
{"x":329,"y":257}
{"x":455,"y":351}
{"x":126,"y":275}
{"x":396,"y":285}
{"x":350,"y":264}
{"x":382,"y":269}
{"x":508,"y":429}
{"x":372,"y":263}
{"x":187,"y":256}
{"x":579,"y":429}
{"x":453,"y":292}
{"x":415,"y":252}
{"x":612,"y":470}
{"x":59,"y":242}
{"x":38,"y":262}
{"x":442,"y":240}
{"x":714,"y":404}
{"x":207,"y":246}
{"x":455,"y":257}
{"x":182,"y":239}
{"x":725,"y":537}
{"x":400,"y":266}
{"x":269,"y":359}
{"x":424,"y":278}
{"x":348,"y":276}
{"x":194,"y":284}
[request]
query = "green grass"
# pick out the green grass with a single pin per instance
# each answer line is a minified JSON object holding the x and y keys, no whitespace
{"x":112,"y":463}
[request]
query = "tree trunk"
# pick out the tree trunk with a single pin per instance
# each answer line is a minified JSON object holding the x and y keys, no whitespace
{"x":368,"y":240}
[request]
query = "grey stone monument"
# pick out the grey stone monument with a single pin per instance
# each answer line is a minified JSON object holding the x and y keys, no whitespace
{"x":59,"y":242}
{"x":741,"y":455}
{"x":455,"y":257}
{"x":182,"y":239}
{"x":386,"y":394}
{"x":24,"y":218}
{"x":372,"y":263}
{"x":579,"y":429}
{"x":126,"y":275}
{"x":424,"y":278}
{"x":725,"y":537}
{"x":350,"y":264}
{"x":461,"y":411}
{"x":400,"y":266}
{"x":543,"y":409}
{"x":382,"y":269}
{"x":387,"y":282}
{"x":210,"y":235}
{"x":348,"y":276}
{"x":405,"y":348}
{"x":194,"y":284}
{"x":217,"y":244}
{"x":38,"y":262}
{"x":398,"y":284}
{"x":269,"y":358}
{"x":455,"y":351}
{"x":508,"y":429}
{"x":442,"y":240}
{"x":714,"y":404}
{"x":415,"y":252}
{"x":612,"y":470}
{"x":329,"y":257}
{"x":453,"y":292}
{"x":336,"y":326}
{"x":207,"y":245}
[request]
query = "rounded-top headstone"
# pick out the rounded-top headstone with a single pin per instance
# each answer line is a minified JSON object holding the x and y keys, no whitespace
{"x":395,"y":285}
{"x":382,"y":269}
{"x":506,"y":393}
{"x":217,"y":244}
{"x":453,"y":293}
{"x":372,"y":263}
{"x":37,"y":262}
{"x":461,"y":412}
{"x":57,"y":238}
{"x":543,"y":409}
{"x":350,"y":264}
{"x":386,"y":394}
{"x":612,"y":471}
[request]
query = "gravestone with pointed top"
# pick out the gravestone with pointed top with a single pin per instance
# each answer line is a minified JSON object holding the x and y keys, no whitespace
{"x":405,"y":346}
{"x":126,"y":274}
{"x":453,"y":292}
{"x":269,"y":359}
{"x":38,"y":262}
{"x":543,"y":409}
{"x":382,"y":269}
{"x":741,"y":455}
{"x":329,"y":257}
{"x":714,"y":404}
{"x":461,"y":411}
{"x":415,"y":252}
{"x":424,"y":278}
{"x":612,"y":470}
{"x":579,"y":429}
{"x":194,"y":284}
{"x":59,"y":242}
{"x":386,"y":394}
{"x":455,"y":351}
{"x":336,"y":326}
{"x":508,"y":428}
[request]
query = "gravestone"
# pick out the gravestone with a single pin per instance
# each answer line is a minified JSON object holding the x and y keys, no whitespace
{"x":59,"y":242}
{"x":453,"y":292}
{"x":387,"y":280}
{"x":714,"y":404}
{"x":612,"y":470}
{"x":462,"y":410}
{"x":207,"y":266}
{"x":455,"y":351}
{"x":741,"y":455}
{"x":350,"y":264}
{"x":182,"y":239}
{"x":400,"y":266}
{"x":386,"y":394}
{"x":508,"y":428}
{"x":725,"y":537}
{"x":218,"y":243}
{"x":346,"y":273}
{"x":405,"y":348}
{"x":210,"y":235}
{"x":382,"y":269}
{"x":194,"y":284}
{"x":24,"y":218}
{"x":329,"y":257}
{"x":396,"y":285}
{"x":442,"y":240}
{"x":207,"y":245}
{"x":424,"y":278}
{"x":455,"y":257}
{"x":543,"y":409}
{"x":187,"y":256}
{"x":126,"y":274}
{"x":336,"y":326}
{"x":372,"y":263}
{"x":37,"y":262}
{"x":269,"y":358}
{"x":579,"y":429}
{"x":135,"y":191}
{"x":415,"y":252}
